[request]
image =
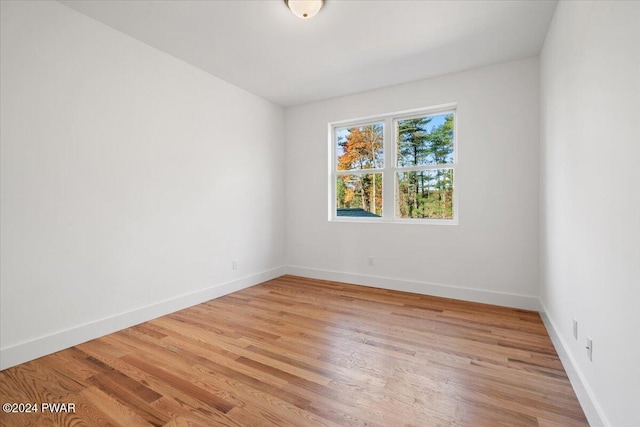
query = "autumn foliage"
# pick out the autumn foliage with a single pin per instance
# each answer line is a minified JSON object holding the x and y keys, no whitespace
{"x":423,"y":176}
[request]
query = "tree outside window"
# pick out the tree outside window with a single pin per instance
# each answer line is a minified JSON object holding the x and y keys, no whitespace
{"x":419,"y":150}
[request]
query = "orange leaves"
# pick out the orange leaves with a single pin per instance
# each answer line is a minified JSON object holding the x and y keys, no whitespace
{"x":362,"y":148}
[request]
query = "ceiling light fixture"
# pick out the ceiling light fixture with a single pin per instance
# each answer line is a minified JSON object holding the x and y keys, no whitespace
{"x":304,"y":9}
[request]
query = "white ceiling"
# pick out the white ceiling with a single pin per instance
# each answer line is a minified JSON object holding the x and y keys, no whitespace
{"x":350,"y":46}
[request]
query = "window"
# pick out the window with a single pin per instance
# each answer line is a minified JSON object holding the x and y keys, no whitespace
{"x":395,"y":168}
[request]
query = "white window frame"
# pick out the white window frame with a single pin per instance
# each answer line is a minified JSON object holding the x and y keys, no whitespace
{"x":390,"y":169}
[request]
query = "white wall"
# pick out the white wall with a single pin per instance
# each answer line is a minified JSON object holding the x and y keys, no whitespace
{"x":129,"y":182}
{"x":492,"y":253}
{"x":122,"y":196}
{"x":590,"y":197}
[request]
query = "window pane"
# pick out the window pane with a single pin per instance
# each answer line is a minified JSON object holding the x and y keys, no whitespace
{"x":360,"y":147}
{"x":359,"y":195}
{"x":425,"y":194}
{"x":425,"y":140}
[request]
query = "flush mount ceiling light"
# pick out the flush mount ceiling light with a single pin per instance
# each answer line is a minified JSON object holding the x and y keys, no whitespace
{"x":304,"y":9}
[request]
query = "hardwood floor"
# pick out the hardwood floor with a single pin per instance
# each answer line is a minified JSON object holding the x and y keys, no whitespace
{"x":303,"y":352}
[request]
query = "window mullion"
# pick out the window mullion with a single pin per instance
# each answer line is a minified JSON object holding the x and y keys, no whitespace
{"x":358,"y":172}
{"x":388,"y":176}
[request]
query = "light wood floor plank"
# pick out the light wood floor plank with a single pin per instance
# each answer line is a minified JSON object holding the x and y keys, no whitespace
{"x":302,"y":352}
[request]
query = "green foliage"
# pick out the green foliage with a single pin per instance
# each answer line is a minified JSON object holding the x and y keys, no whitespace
{"x":413,"y":141}
{"x":360,"y":191}
{"x":441,"y":142}
{"x":425,"y":193}
{"x":419,"y":193}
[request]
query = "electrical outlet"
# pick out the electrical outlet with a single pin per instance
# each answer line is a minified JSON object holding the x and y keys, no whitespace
{"x":575,"y":329}
{"x":590,"y":349}
{"x":234,"y":264}
{"x":370,"y":261}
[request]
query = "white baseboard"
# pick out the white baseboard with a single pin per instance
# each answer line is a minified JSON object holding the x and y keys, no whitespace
{"x":26,"y":351}
{"x":30,"y":350}
{"x":590,"y":406}
{"x":467,"y":294}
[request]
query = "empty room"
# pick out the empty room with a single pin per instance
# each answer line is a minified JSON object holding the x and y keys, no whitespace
{"x":320,"y":213}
